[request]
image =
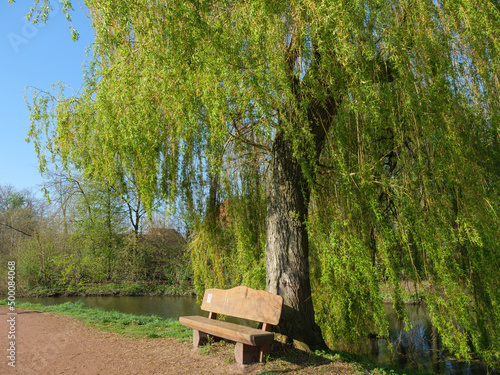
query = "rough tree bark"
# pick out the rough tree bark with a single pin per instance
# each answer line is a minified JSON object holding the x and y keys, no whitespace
{"x":287,"y":246}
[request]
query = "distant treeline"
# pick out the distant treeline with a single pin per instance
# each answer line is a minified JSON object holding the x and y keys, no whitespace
{"x":88,"y":235}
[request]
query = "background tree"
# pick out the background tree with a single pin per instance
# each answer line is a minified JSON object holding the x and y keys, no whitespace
{"x":24,"y":231}
{"x":16,"y":217}
{"x":82,"y":239}
{"x":379,"y":120}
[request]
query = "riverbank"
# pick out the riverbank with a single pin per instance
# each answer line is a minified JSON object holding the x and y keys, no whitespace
{"x":137,"y":288}
{"x":77,"y":337}
{"x":410,"y":293}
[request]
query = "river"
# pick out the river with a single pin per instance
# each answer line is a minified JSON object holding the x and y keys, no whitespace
{"x":418,"y":349}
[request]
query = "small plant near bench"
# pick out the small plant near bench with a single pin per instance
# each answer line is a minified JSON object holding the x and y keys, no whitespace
{"x":241,"y":302}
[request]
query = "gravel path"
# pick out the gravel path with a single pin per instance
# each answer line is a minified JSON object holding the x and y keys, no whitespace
{"x":54,"y":344}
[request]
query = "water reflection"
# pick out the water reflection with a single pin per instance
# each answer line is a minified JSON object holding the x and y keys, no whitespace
{"x":420,"y":348}
{"x":167,"y":307}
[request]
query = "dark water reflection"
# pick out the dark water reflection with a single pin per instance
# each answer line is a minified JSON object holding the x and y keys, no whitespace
{"x":420,"y":348}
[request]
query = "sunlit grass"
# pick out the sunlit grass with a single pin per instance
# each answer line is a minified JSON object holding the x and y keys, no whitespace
{"x":113,"y":321}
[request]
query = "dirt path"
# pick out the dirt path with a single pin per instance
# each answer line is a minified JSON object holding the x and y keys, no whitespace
{"x":53,"y":344}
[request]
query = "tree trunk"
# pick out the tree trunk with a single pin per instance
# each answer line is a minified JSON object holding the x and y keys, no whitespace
{"x":287,"y":247}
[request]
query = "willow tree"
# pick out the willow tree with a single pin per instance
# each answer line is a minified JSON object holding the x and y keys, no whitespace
{"x":379,"y":120}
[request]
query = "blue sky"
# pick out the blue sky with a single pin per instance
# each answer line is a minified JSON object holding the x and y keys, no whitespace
{"x":33,"y":55}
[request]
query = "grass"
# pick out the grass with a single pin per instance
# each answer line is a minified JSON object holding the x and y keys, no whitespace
{"x":113,"y":321}
{"x":206,"y":349}
{"x":283,"y":358}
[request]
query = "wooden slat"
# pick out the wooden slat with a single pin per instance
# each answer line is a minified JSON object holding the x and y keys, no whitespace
{"x":243,"y":302}
{"x":228,"y":331}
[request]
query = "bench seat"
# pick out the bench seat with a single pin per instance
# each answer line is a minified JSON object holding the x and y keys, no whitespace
{"x":240,"y":302}
{"x":228,"y":331}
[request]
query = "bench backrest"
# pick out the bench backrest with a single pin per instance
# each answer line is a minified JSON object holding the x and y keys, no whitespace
{"x":243,"y":302}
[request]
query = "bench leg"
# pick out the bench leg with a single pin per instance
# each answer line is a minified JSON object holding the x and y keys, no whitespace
{"x":246,"y":353}
{"x":264,"y":352}
{"x":199,"y":338}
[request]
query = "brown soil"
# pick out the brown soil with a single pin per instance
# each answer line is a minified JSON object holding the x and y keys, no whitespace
{"x":53,"y":344}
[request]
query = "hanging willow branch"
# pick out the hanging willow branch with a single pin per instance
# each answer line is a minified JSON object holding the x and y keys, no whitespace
{"x":400,"y":98}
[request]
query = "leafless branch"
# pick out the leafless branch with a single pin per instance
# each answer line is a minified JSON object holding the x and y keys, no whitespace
{"x":16,"y":229}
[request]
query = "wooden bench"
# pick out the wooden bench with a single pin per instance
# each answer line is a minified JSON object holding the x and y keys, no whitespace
{"x":241,"y":302}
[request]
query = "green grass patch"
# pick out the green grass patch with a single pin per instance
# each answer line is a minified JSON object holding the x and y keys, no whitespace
{"x":113,"y":321}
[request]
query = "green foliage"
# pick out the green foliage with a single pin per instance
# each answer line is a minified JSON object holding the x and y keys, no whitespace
{"x":34,"y":262}
{"x":15,"y":201}
{"x":232,"y":252}
{"x":79,"y":241}
{"x":404,"y":175}
{"x":73,"y":269}
{"x":414,"y":178}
